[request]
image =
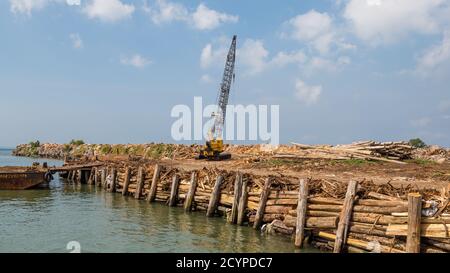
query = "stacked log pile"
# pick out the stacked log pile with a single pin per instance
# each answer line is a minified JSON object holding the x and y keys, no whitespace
{"x":354,"y":217}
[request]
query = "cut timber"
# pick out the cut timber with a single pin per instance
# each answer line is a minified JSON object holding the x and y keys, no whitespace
{"x":126,"y":182}
{"x":103,"y":178}
{"x":301,"y":213}
{"x":237,"y":195}
{"x":215,"y":197}
{"x":344,"y":219}
{"x":359,"y":243}
{"x":414,"y":214}
{"x":140,"y":183}
{"x":427,"y":230}
{"x":174,"y":190}
{"x":262,"y":204}
{"x":313,"y":222}
{"x":191,"y":193}
{"x":242,"y":203}
{"x":154,"y":186}
{"x":382,"y":196}
{"x":359,"y":208}
{"x":362,"y":202}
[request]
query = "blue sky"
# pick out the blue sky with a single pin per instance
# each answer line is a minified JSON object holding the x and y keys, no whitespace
{"x":110,"y":71}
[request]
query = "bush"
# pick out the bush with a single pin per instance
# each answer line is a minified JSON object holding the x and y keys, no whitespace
{"x":35,"y":144}
{"x":76,"y":142}
{"x":417,"y":143}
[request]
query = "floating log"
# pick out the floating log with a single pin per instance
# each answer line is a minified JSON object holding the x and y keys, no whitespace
{"x":140,"y":183}
{"x":174,"y":190}
{"x":237,"y":195}
{"x":301,"y":213}
{"x":262,"y":204}
{"x":126,"y":180}
{"x":414,"y":214}
{"x":191,"y":193}
{"x":242,"y":203}
{"x":344,"y":219}
{"x":215,"y":197}
{"x":153,"y":187}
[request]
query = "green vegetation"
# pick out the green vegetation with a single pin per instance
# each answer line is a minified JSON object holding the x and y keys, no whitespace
{"x":105,"y":149}
{"x":417,"y":143}
{"x":35,"y":144}
{"x":159,"y":150}
{"x":76,"y":142}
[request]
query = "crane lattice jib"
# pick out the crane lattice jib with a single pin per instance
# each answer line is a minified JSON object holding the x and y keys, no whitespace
{"x":224,"y":93}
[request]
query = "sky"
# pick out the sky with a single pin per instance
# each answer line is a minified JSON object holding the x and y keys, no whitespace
{"x":110,"y":71}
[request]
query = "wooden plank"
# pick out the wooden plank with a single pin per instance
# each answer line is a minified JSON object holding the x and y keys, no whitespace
{"x":140,"y":183}
{"x":174,"y":190}
{"x":154,"y":186}
{"x":215,"y":197}
{"x":242,"y":203}
{"x":126,"y":181}
{"x":191,"y":193}
{"x":344,"y":219}
{"x":262,"y":204}
{"x":414,"y":219}
{"x":236,"y":197}
{"x":301,"y":213}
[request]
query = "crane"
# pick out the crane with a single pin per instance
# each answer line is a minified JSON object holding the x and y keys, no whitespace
{"x":214,"y":149}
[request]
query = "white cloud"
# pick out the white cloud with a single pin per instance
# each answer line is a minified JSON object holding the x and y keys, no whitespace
{"x":210,"y":56}
{"x":108,"y":10}
{"x":307,"y":94}
{"x":203,"y":18}
{"x":421,"y":122}
{"x":282,"y":58}
{"x":386,"y":21}
{"x":77,"y":42}
{"x":253,"y":55}
{"x":136,"y":60}
{"x":27,"y":6}
{"x":206,"y":78}
{"x":435,"y":55}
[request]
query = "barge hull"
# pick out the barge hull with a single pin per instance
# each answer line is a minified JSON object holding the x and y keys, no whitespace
{"x":20,"y":181}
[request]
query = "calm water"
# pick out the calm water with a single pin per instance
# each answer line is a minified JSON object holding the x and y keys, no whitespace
{"x":47,"y":219}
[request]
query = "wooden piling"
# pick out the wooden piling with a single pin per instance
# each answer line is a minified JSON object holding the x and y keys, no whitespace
{"x":237,"y":196}
{"x":126,"y":181}
{"x":301,"y":213}
{"x":70,"y":176}
{"x":262,"y":204}
{"x":414,"y":220}
{"x":154,"y":186}
{"x":174,"y":190}
{"x":112,"y":187}
{"x":344,"y":218}
{"x":140,"y":183}
{"x":103,"y":178}
{"x":191,"y":193}
{"x":92,"y":174}
{"x":242,"y":203}
{"x":79,"y":176}
{"x":215,"y":197}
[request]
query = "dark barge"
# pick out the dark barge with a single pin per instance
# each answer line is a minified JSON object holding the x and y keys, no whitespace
{"x":22,"y":178}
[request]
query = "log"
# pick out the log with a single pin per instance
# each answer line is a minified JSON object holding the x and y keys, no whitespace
{"x":237,"y":195}
{"x":382,"y":196}
{"x":242,"y":203}
{"x":358,"y":208}
{"x":153,"y":187}
{"x":427,"y":230}
{"x":140,"y":183}
{"x":414,"y":215}
{"x":79,"y":176}
{"x":215,"y":197}
{"x":126,"y":182}
{"x":174,"y":190}
{"x":301,"y":213}
{"x":344,"y":218}
{"x":112,"y":187}
{"x":103,"y":178}
{"x":191,"y":193}
{"x":313,"y":222}
{"x":437,"y":244}
{"x":362,"y":202}
{"x":262,"y":204}
{"x":91,"y":176}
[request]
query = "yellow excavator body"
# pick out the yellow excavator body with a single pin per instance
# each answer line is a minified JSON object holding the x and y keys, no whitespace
{"x":213,"y":150}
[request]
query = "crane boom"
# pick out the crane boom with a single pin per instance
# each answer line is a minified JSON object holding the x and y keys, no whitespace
{"x":224,"y":92}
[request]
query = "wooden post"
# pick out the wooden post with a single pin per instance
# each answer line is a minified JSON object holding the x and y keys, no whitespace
{"x":79,"y":176}
{"x":414,"y":220}
{"x":92,"y":175}
{"x":103,"y":178}
{"x":152,"y":192}
{"x":191,"y":193}
{"x":262,"y":203}
{"x":237,"y":196}
{"x":126,"y":181}
{"x":345,"y":216}
{"x":174,"y":191}
{"x":242,"y":203}
{"x":301,"y":213}
{"x":113,"y":180}
{"x":140,"y":183}
{"x":215,"y":197}
{"x":69,"y":176}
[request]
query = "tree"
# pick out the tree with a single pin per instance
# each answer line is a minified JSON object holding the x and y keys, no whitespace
{"x":35,"y":144}
{"x":76,"y":142}
{"x":417,"y":143}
